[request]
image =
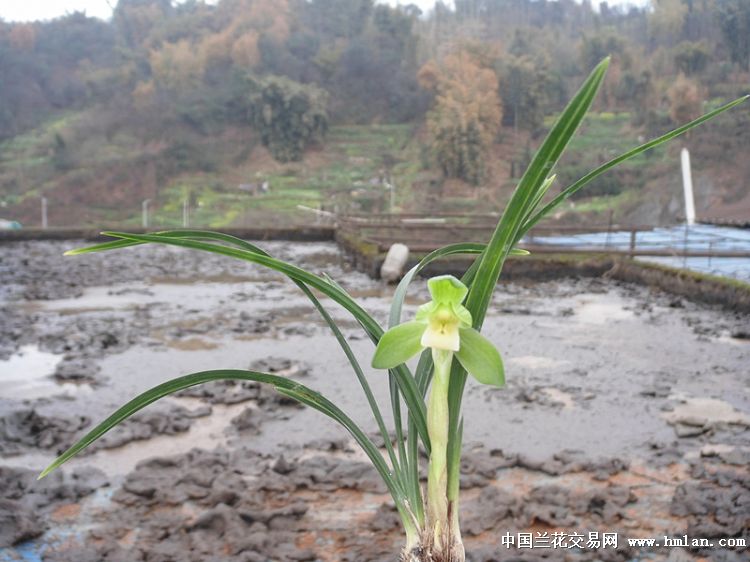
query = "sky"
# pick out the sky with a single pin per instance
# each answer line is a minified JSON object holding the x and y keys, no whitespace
{"x":30,"y":10}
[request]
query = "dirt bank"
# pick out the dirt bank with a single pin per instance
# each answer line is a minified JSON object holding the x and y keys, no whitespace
{"x":626,"y":411}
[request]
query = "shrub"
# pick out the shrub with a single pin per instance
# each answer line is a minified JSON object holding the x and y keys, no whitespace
{"x":288,"y":115}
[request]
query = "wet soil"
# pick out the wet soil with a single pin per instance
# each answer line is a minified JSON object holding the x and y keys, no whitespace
{"x":626,"y":411}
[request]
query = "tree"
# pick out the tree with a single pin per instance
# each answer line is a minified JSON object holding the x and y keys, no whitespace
{"x":685,"y":99}
{"x":734,"y":20}
{"x":639,"y":89}
{"x":466,"y":116}
{"x":22,"y":37}
{"x":136,"y":19}
{"x":176,"y":67}
{"x":523,"y":87}
{"x":692,"y":57}
{"x":595,"y":47}
{"x":288,"y":115}
{"x":338,"y":18}
{"x":668,"y":19}
{"x":245,"y":51}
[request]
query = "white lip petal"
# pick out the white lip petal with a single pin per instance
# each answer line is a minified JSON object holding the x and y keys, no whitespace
{"x":446,"y":338}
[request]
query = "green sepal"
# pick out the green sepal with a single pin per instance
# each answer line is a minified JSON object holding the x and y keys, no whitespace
{"x":447,"y":289}
{"x":480,"y":358}
{"x":398,"y":345}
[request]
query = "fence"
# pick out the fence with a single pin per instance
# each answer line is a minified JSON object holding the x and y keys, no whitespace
{"x":424,"y":233}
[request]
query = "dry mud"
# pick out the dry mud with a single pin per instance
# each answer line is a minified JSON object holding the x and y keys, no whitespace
{"x":626,"y":411}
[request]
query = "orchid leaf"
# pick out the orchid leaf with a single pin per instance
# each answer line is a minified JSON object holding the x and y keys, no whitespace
{"x":404,"y":379}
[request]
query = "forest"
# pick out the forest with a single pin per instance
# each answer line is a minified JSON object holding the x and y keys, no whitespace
{"x":333,"y":103}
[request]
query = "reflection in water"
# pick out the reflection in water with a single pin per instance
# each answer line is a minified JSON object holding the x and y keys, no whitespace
{"x":27,"y":374}
{"x":680,"y":238}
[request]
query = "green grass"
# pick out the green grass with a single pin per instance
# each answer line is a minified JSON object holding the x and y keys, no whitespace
{"x":603,"y":203}
{"x":602,"y":136}
{"x":697,"y":276}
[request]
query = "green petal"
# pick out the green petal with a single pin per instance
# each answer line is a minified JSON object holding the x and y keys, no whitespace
{"x":447,"y":289}
{"x":426,"y":310}
{"x":464,"y":316}
{"x":480,"y":358}
{"x":398,"y":344}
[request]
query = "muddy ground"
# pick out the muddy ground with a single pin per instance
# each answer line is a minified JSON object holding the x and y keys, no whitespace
{"x":626,"y":411}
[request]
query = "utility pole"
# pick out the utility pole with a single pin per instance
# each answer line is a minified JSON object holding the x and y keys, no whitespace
{"x":44,"y":212}
{"x":144,"y":207}
{"x":392,"y":196}
{"x":687,"y":186}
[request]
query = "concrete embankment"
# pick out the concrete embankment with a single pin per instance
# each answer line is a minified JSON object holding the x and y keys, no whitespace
{"x":311,"y":233}
{"x":729,"y":293}
{"x":366,"y":257}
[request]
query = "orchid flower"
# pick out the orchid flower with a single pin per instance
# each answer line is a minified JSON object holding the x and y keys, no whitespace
{"x":442,"y":324}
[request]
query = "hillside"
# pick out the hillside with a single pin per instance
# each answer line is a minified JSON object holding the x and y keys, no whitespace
{"x":94,"y":182}
{"x":328,"y":102}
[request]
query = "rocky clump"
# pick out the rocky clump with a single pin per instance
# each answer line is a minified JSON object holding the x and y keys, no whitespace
{"x":305,"y":505}
{"x":14,"y":330}
{"x":224,"y":391}
{"x":25,"y":502}
{"x":159,"y":419}
{"x":26,"y":427}
{"x":716,"y":502}
{"x":236,"y":391}
{"x":480,"y":465}
{"x":78,"y":371}
{"x":92,"y":335}
{"x":236,"y":322}
{"x":281,"y":366}
{"x":694,"y":417}
{"x":243,"y":505}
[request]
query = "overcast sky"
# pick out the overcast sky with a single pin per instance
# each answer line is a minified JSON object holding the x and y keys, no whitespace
{"x":29,"y":10}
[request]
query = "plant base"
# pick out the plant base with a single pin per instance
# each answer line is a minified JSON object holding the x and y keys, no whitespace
{"x":421,"y":553}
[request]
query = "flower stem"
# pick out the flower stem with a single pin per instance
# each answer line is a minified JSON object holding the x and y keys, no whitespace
{"x":437,"y":427}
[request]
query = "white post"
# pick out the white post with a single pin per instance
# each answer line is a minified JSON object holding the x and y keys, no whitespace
{"x":185,"y":214}
{"x":44,"y":212}
{"x":687,"y":184}
{"x":144,"y":207}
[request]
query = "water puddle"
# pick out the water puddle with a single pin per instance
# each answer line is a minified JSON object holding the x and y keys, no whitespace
{"x":192,"y":344}
{"x":205,"y":432}
{"x":27,"y":374}
{"x":601,"y":311}
{"x":197,"y":297}
{"x":536,"y":362}
{"x":706,"y":412}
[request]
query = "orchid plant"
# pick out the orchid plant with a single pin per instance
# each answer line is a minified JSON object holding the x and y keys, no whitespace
{"x":445,"y":333}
